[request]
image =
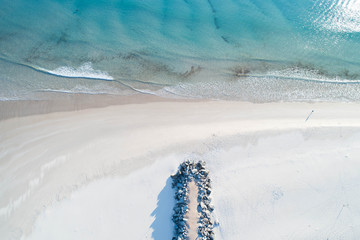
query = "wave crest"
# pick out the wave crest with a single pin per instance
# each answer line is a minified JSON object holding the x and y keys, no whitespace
{"x":84,"y":71}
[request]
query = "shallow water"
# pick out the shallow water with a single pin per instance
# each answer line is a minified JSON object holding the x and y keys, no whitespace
{"x":286,"y":50}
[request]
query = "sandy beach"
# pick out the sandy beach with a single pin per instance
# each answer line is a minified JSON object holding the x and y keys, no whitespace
{"x":104,"y":173}
{"x":193,"y":215}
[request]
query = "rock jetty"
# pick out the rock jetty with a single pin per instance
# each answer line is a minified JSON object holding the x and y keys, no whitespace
{"x":188,"y":172}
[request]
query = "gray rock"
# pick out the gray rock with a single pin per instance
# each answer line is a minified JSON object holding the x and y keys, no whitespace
{"x":189,"y":171}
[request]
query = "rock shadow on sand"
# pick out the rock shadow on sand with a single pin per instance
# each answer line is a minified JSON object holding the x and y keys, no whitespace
{"x":163,"y":226}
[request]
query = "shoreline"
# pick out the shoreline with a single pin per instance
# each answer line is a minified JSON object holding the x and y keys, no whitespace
{"x":74,"y":102}
{"x":62,"y":102}
{"x":48,"y":160}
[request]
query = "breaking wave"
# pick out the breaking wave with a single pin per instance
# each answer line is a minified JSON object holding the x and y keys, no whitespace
{"x":84,"y":71}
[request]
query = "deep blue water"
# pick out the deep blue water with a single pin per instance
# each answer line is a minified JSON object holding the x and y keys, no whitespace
{"x":234,"y":49}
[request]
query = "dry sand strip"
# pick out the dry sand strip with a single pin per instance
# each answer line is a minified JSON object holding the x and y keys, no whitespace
{"x":193,"y":215}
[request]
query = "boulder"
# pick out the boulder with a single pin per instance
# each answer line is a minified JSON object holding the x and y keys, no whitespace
{"x":190,"y":171}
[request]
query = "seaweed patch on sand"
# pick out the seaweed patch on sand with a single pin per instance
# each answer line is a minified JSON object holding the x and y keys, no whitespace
{"x":187,"y":173}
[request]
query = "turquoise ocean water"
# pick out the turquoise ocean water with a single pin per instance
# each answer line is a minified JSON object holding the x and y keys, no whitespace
{"x":251,"y":50}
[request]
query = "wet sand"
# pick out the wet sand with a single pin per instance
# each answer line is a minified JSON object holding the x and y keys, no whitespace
{"x":62,"y":102}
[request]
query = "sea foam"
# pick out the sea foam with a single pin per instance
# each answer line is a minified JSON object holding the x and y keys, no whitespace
{"x":84,"y":71}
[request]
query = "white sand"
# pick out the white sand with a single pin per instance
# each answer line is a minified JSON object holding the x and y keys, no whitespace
{"x":193,"y":215}
{"x":104,"y":173}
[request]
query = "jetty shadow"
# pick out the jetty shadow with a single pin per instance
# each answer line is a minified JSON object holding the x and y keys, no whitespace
{"x":163,"y":226}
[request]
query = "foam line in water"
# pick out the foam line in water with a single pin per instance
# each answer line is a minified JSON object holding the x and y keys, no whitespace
{"x":84,"y":71}
{"x":306,"y":75}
